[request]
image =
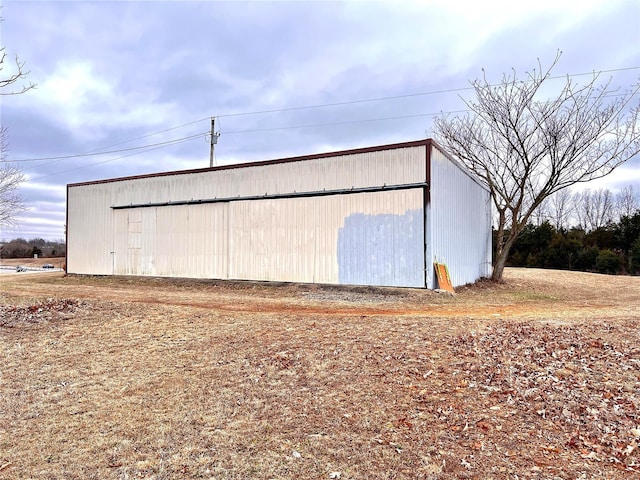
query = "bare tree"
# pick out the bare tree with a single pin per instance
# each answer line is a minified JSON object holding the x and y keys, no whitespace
{"x":594,"y":209}
{"x":627,"y":203}
{"x":541,"y":214}
{"x":525,"y":148}
{"x":581,"y":217}
{"x":11,"y":203}
{"x":559,"y":208}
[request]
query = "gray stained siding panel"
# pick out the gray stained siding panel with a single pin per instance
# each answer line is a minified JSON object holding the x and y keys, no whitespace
{"x":382,"y":249}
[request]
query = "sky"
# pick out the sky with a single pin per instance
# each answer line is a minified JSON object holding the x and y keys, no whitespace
{"x":139,"y":81}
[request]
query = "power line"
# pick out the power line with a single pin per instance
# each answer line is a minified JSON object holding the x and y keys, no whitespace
{"x":100,"y":163}
{"x":152,"y":134}
{"x":173,"y":142}
{"x":63,"y":157}
{"x":232,"y":132}
{"x":247,"y":131}
{"x":184,"y":139}
{"x":345,"y":122}
{"x":285,"y":109}
{"x":408,"y":95}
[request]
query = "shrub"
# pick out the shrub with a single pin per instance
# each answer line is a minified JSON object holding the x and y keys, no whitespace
{"x":608,"y":262}
{"x":635,"y":256}
{"x":587,"y":259}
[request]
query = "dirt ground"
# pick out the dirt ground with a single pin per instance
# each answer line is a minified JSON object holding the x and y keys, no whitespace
{"x":535,"y":378}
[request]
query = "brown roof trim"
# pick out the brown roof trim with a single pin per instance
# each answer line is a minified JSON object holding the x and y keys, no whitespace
{"x":415,"y":143}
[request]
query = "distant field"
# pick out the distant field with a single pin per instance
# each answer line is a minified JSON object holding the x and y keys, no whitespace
{"x":118,"y":378}
{"x":58,"y":262}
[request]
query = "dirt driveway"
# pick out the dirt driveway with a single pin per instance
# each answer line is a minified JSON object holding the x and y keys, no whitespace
{"x":527,"y":293}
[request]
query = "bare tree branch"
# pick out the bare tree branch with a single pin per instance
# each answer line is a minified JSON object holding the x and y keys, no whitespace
{"x":18,"y":74}
{"x":11,"y":202}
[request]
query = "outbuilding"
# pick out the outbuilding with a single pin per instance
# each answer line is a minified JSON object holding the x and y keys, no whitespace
{"x":369,"y":216}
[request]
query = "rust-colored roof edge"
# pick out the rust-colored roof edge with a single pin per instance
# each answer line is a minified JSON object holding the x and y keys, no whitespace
{"x":378,"y":148}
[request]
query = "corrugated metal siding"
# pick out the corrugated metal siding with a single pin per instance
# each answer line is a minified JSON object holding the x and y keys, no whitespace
{"x":387,"y":167}
{"x":459,"y":223}
{"x":89,"y":230}
{"x":366,"y":239}
{"x":173,"y":241}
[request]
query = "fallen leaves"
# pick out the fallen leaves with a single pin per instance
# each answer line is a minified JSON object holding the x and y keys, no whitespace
{"x":46,"y":310}
{"x":162,"y":379}
{"x":560,"y":380}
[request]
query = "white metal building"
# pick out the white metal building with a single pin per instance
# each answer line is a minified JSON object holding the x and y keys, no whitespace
{"x":369,"y":216}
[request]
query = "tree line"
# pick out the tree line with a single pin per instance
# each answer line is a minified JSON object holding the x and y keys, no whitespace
{"x":21,"y":248}
{"x":593,"y":231}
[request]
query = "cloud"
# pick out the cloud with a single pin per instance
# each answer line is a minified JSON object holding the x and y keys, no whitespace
{"x":115,"y":75}
{"x":89,"y":104}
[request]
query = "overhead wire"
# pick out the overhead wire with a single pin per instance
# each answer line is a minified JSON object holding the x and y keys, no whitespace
{"x":63,"y":157}
{"x":285,"y":109}
{"x":103,"y":161}
{"x":232,"y":132}
{"x":408,"y":95}
{"x":344,"y":122}
{"x":153,"y":133}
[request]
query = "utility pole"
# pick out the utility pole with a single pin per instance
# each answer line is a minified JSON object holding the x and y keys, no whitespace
{"x":214,"y":140}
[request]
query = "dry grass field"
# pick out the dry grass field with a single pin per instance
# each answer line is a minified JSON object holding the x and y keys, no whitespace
{"x":126,"y":378}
